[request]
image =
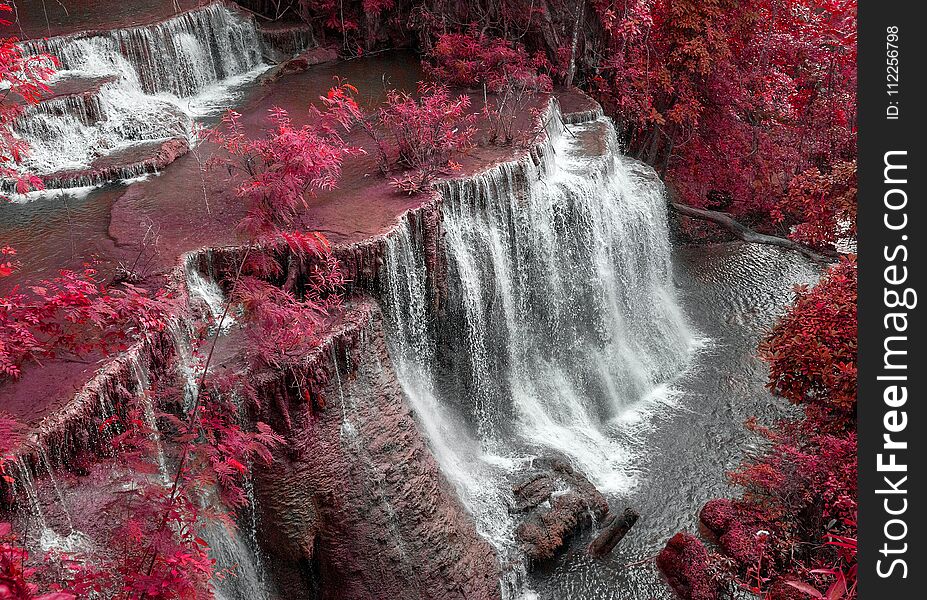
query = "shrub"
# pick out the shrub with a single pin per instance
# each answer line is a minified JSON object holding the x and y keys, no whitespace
{"x":811,"y":351}
{"x":500,"y":67}
{"x":417,"y":135}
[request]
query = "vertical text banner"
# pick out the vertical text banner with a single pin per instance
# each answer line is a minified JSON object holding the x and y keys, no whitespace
{"x":892,"y":230}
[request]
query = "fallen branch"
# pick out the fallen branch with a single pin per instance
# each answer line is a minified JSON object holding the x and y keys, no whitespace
{"x":613,"y":531}
{"x":748,"y":235}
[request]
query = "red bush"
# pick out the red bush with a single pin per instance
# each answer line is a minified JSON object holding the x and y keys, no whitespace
{"x":792,"y":532}
{"x":418,"y":135}
{"x":474,"y":59}
{"x":685,"y":563}
{"x":502,"y":68}
{"x":820,"y":205}
{"x":812,"y":350}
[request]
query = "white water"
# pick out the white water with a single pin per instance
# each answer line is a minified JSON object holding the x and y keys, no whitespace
{"x":163,"y":77}
{"x":206,"y":295}
{"x":241,"y":572}
{"x":47,"y":538}
{"x":561,"y":327}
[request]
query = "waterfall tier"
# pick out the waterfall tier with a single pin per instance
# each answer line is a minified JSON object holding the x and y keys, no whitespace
{"x":560,"y":326}
{"x":530,"y":313}
{"x":119,"y":92}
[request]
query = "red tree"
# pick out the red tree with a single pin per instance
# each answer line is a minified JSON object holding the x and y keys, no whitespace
{"x":812,"y":350}
{"x":418,"y":135}
{"x":502,"y":68}
{"x":734,"y":98}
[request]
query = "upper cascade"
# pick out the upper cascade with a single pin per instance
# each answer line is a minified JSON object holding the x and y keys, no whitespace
{"x":121,"y":90}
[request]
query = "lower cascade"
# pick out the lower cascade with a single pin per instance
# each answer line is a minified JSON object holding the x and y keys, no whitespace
{"x":560,"y":327}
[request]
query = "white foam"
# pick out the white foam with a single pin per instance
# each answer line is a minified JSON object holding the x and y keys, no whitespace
{"x":561,"y":286}
{"x":164,"y":77}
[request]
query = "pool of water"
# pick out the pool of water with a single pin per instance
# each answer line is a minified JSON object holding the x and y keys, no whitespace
{"x":732,"y":293}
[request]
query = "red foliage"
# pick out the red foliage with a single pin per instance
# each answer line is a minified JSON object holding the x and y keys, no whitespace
{"x":474,"y":59}
{"x":425,"y":133}
{"x":820,"y":205}
{"x":733,"y":97}
{"x":162,"y":556}
{"x":792,"y":532}
{"x":419,"y":135}
{"x":73,"y":313}
{"x":274,"y":173}
{"x":345,"y":17}
{"x":283,"y":327}
{"x":15,"y":574}
{"x":151,"y":548}
{"x":685,"y":563}
{"x":812,"y":350}
{"x":503,"y":68}
{"x":799,"y":494}
{"x":24,"y":78}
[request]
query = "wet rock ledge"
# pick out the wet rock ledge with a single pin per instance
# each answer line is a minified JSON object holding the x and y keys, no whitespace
{"x":354,"y":507}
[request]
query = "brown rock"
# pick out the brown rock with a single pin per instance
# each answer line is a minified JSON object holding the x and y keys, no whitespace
{"x":301,"y":62}
{"x":359,"y":501}
{"x":557,"y":502}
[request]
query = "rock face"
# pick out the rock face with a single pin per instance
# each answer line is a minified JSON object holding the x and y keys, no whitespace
{"x":557,"y":502}
{"x":357,"y":509}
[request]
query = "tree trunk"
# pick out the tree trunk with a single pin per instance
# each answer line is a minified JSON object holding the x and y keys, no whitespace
{"x":616,"y":527}
{"x":748,"y":235}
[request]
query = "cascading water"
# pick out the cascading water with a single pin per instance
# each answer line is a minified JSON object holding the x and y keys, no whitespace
{"x":35,"y":514}
{"x":560,"y":328}
{"x":244,"y":577}
{"x":141,"y":84}
{"x":206,"y":295}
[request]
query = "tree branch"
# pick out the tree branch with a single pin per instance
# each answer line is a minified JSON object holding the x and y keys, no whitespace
{"x":748,"y":235}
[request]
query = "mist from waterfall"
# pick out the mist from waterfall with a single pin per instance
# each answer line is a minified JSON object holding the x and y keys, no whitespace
{"x":561,"y":326}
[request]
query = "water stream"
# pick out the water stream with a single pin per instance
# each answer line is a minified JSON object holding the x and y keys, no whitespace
{"x":136,"y":85}
{"x":562,"y":326}
{"x":731,"y":294}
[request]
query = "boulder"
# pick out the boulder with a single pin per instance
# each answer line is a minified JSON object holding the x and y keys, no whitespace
{"x":557,"y":502}
{"x":301,"y":63}
{"x":685,"y":564}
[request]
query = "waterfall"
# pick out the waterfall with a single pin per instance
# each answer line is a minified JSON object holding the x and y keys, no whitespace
{"x":47,"y":537}
{"x":205,"y":293}
{"x":560,"y":328}
{"x":136,"y":85}
{"x":242,"y":575}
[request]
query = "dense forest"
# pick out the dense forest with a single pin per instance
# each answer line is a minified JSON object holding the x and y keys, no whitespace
{"x":745,"y":109}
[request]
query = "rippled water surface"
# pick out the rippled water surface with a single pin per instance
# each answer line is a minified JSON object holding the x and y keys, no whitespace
{"x":731,"y":293}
